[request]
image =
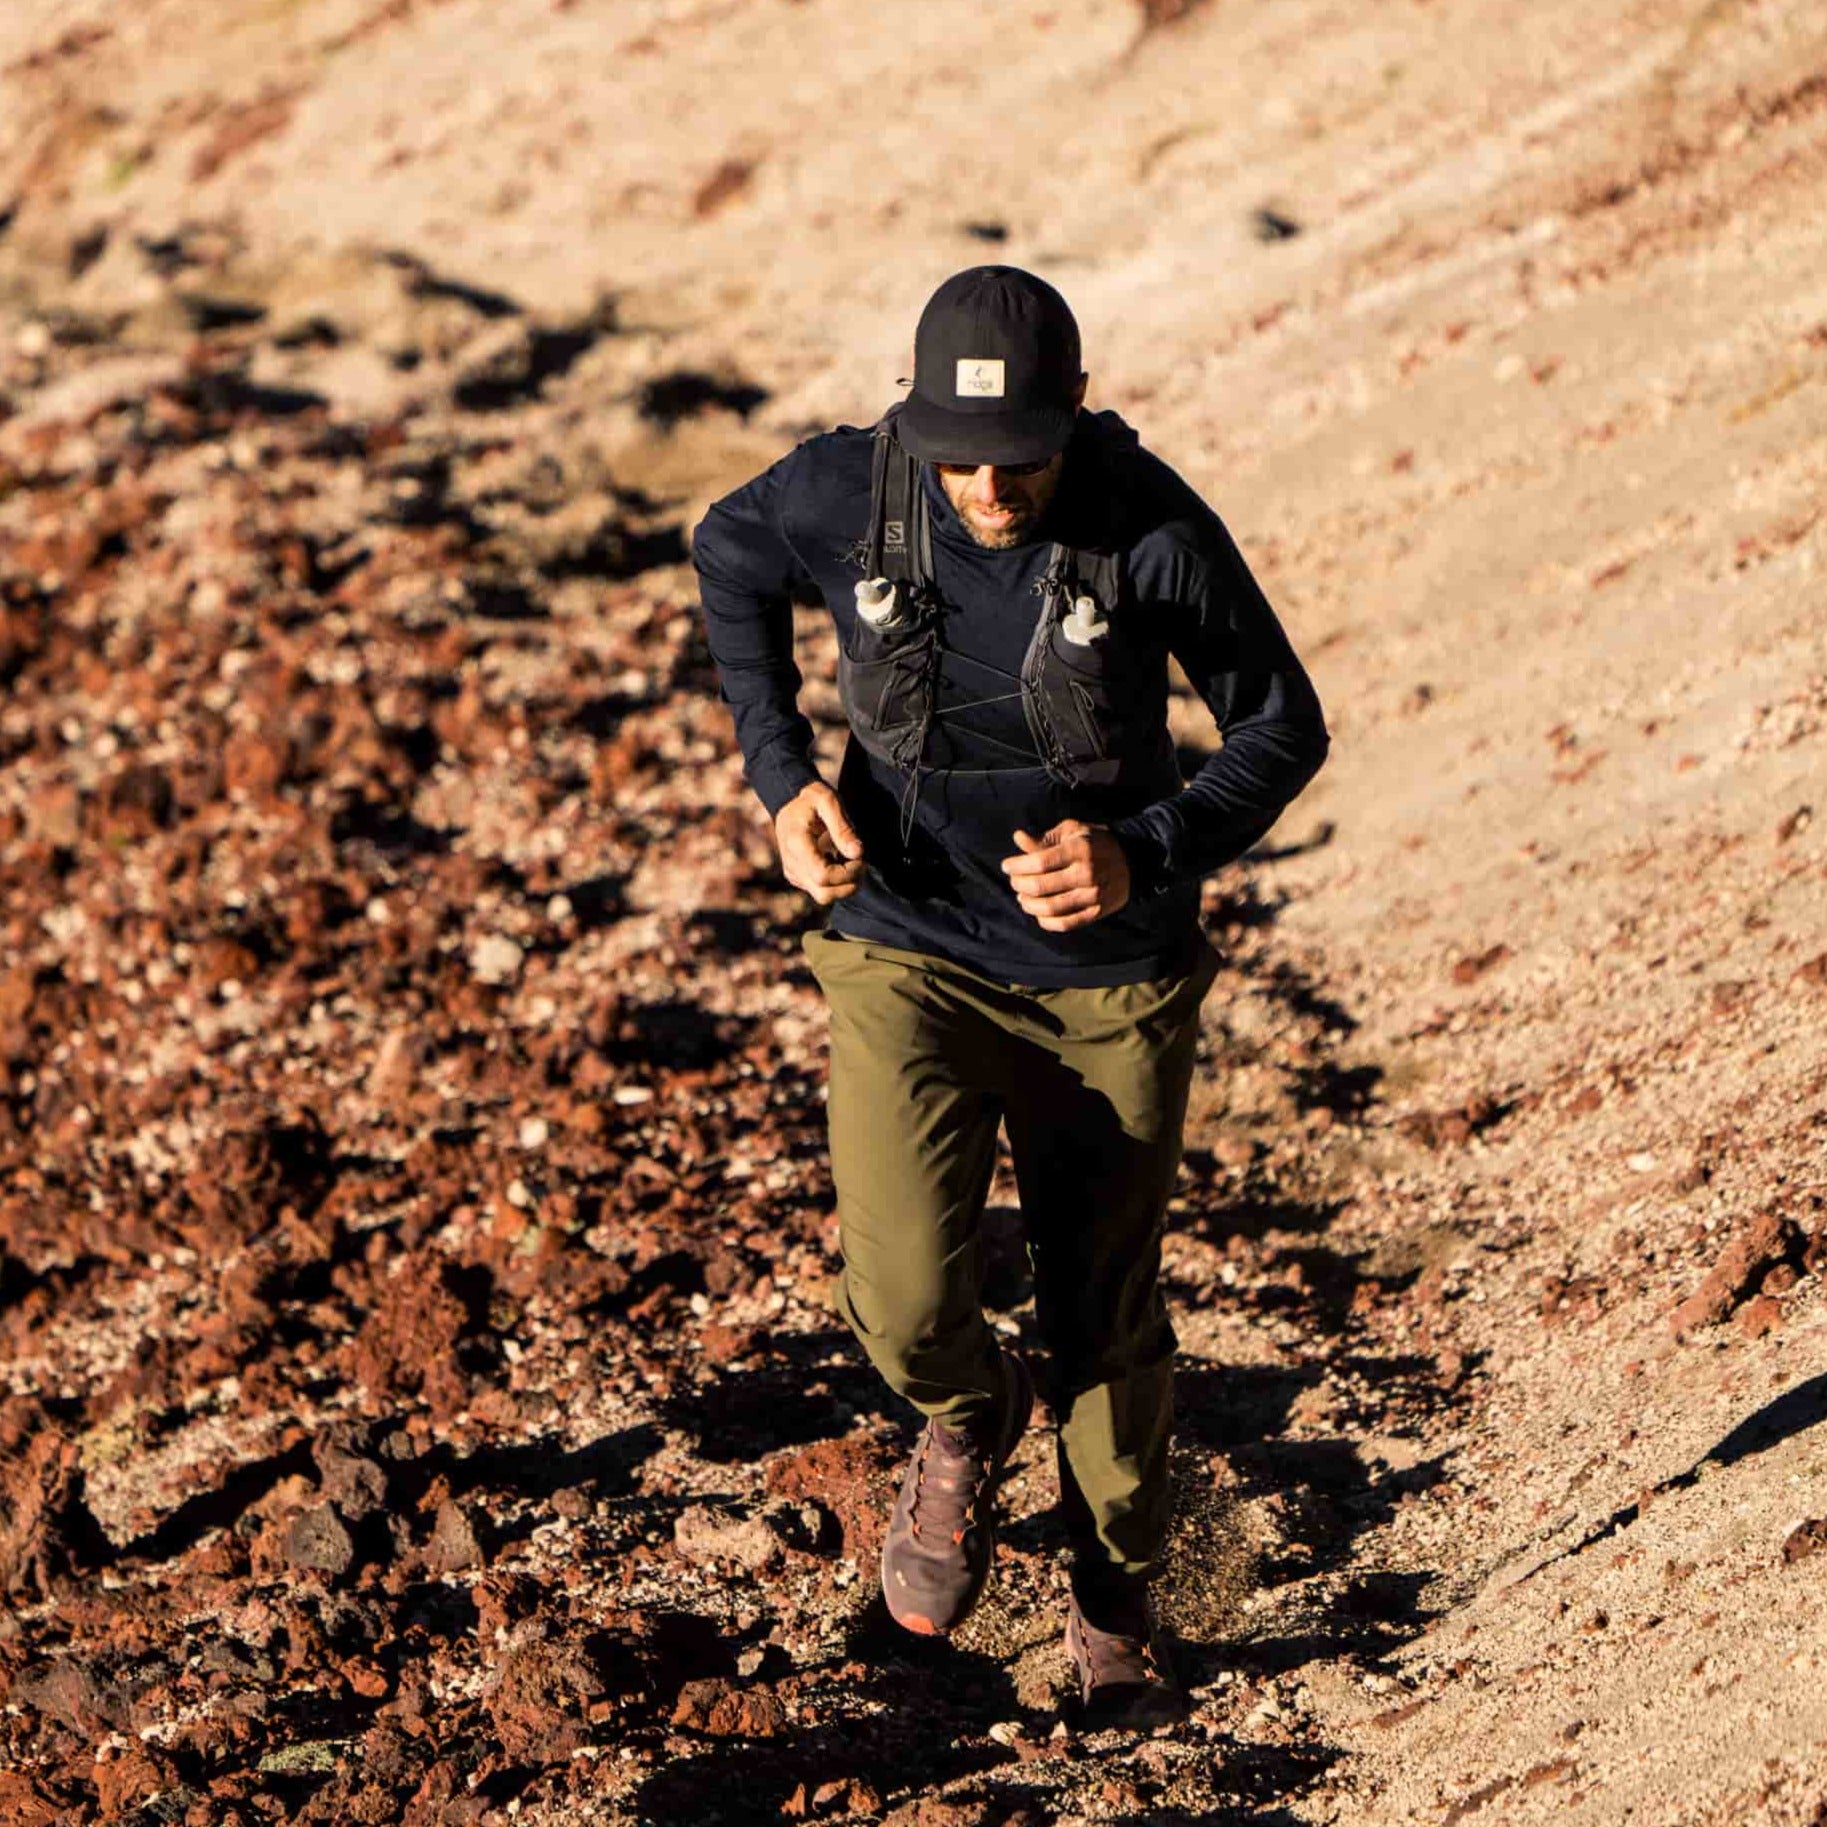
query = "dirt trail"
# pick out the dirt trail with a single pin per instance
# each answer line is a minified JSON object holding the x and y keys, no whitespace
{"x":422,"y":1400}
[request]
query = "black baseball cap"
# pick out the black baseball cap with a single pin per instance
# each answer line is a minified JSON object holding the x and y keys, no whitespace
{"x":996,"y":362}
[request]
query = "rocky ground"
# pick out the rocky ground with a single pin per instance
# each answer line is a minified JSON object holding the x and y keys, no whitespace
{"x":422,"y":1397}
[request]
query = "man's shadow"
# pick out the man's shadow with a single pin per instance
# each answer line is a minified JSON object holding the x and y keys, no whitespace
{"x":1781,"y":1418}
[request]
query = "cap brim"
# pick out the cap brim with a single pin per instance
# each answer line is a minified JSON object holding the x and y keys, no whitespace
{"x":936,"y":435}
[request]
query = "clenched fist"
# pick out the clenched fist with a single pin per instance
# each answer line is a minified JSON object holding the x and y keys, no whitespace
{"x":1073,"y":875}
{"x":819,"y":848}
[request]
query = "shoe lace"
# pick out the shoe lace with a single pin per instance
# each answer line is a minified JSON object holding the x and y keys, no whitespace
{"x":948,"y":1483}
{"x":1121,"y":1656}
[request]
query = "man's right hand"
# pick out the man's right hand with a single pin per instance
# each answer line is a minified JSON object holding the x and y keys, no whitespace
{"x":819,"y":848}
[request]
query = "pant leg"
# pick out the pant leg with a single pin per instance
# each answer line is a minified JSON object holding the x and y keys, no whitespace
{"x":1096,"y":1125}
{"x":913,"y":1115}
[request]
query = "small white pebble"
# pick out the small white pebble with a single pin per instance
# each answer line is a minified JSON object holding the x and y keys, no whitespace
{"x":495,"y":958}
{"x":626,"y":1095}
{"x":377,"y":912}
{"x":533,"y":1133}
{"x":1642,"y":1164}
{"x":518,"y":1196}
{"x":700,"y":1305}
{"x":559,"y":909}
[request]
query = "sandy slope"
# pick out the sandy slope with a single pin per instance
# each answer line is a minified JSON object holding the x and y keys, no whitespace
{"x":1523,"y":433}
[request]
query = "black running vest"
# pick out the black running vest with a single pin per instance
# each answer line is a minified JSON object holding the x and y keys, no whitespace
{"x":1071,"y":695}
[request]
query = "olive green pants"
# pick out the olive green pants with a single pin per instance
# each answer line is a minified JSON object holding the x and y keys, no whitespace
{"x":928,"y":1059}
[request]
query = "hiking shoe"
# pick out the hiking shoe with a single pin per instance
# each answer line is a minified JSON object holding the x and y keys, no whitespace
{"x":1124,"y":1677}
{"x":936,"y":1554}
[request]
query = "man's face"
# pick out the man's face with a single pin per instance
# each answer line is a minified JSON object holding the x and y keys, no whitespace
{"x":1000,"y":505}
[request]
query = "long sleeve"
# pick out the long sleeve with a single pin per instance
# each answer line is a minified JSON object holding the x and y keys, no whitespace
{"x":747,"y":570}
{"x":1238,"y":660}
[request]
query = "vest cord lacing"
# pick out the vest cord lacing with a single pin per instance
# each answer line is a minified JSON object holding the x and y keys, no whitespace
{"x":1076,"y":589}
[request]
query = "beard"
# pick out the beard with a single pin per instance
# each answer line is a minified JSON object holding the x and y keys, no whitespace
{"x":1024,"y":505}
{"x":1011,"y":532}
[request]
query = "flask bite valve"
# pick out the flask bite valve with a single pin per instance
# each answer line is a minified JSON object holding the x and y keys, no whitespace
{"x":878,"y":601}
{"x":1084,"y":624}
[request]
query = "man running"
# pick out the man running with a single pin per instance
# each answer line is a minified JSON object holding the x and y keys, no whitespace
{"x":1012,"y":862}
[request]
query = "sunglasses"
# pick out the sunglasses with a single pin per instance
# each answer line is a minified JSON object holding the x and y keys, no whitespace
{"x":1001,"y":469}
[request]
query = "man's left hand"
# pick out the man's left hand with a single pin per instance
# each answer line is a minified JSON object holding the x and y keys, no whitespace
{"x":1073,"y":875}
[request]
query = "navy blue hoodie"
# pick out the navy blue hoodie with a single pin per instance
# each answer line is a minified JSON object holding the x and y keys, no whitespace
{"x":934,"y":844}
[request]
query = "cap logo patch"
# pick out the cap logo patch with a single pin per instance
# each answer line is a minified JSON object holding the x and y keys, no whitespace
{"x":980,"y":378}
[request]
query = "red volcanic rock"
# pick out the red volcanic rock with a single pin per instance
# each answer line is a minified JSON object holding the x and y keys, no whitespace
{"x":1760,"y":1314}
{"x":255,"y":763}
{"x":47,"y":1533}
{"x":851,"y":1478}
{"x":1767,"y":1240}
{"x":1805,"y":1540}
{"x":541,"y":1705}
{"x":408,"y":1344}
{"x":249,"y":1173}
{"x":1449,"y":1128}
{"x":126,"y":1778}
{"x":931,"y":1811}
{"x":137,"y":802}
{"x":1470,"y":969}
{"x":721,"y":1709}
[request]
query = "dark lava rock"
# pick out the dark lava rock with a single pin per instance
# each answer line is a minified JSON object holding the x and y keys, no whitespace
{"x":455,"y":1542}
{"x":73,"y":1692}
{"x":355,"y":1483}
{"x":317,"y":1540}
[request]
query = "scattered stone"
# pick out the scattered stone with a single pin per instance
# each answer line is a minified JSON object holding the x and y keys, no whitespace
{"x":1805,"y":1540}
{"x":397,"y":1064}
{"x":934,"y":1811}
{"x":720,"y":1709}
{"x":1572,"y":1297}
{"x":1473,"y":966}
{"x":355,"y":1483}
{"x":47,"y":1532}
{"x":1760,"y":1314}
{"x":1454,"y":1127}
{"x":705,"y":1536}
{"x":317,"y":1541}
{"x":1768,"y":1239}
{"x":1793,"y":823}
{"x":455,"y":1544}
{"x":495,"y":959}
{"x":1268,"y":224}
{"x":72,"y":1691}
{"x":549,"y":1685}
